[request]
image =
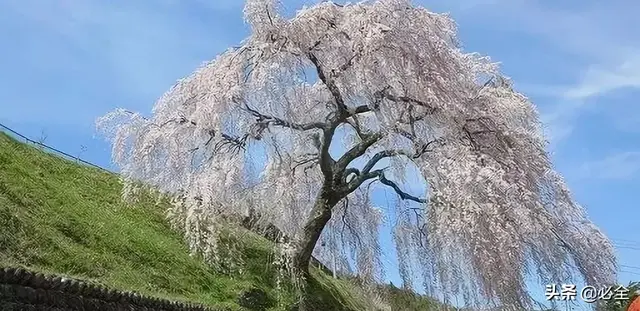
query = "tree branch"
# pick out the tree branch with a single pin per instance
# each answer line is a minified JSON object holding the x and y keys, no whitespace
{"x":271,"y":120}
{"x":309,"y":162}
{"x":420,"y":150}
{"x":341,"y":172}
{"x":420,"y":147}
{"x":349,"y":171}
{"x":410,"y":100}
{"x":403,"y":195}
{"x":345,"y":223}
{"x":364,"y":176}
{"x":381,"y":155}
{"x":329,"y":83}
{"x":327,"y":163}
{"x":231,"y":143}
{"x":357,"y":150}
{"x":386,"y":94}
{"x":377,"y":99}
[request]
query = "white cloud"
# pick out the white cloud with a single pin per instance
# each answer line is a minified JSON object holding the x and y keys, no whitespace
{"x":599,"y":36}
{"x":598,"y":39}
{"x":599,"y":80}
{"x":625,"y":165}
{"x":559,"y":120}
{"x":136,"y":39}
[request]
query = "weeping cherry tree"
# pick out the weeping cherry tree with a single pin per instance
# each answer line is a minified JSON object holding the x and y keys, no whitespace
{"x":386,"y":81}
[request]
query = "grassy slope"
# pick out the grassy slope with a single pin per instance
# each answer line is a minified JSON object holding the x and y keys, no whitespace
{"x":60,"y":217}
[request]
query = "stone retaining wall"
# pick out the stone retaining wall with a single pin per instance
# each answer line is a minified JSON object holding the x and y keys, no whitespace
{"x":24,"y":290}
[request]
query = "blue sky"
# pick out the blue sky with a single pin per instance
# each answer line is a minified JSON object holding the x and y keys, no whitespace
{"x":64,"y":63}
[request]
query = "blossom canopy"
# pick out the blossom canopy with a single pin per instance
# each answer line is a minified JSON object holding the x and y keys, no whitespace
{"x":388,"y":82}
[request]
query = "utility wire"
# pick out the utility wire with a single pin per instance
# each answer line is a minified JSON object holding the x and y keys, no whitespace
{"x":29,"y":140}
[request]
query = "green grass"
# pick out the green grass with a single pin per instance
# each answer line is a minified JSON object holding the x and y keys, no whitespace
{"x":60,"y":217}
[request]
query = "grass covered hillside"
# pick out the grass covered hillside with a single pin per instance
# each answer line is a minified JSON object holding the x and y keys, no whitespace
{"x":60,"y":217}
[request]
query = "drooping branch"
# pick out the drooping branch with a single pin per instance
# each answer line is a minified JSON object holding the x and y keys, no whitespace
{"x":375,"y":105}
{"x":385,"y":93}
{"x":409,"y":100}
{"x":403,"y":195}
{"x":347,"y":224}
{"x":381,"y":155}
{"x":379,"y":174}
{"x":232,"y":143}
{"x":267,"y":120}
{"x":422,"y":149}
{"x":308,"y":162}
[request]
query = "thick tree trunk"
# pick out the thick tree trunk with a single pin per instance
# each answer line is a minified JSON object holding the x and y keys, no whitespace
{"x":320,"y":215}
{"x":307,"y":240}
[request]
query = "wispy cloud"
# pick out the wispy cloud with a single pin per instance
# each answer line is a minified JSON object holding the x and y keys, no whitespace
{"x":622,"y":166}
{"x":130,"y":42}
{"x":599,"y":80}
{"x":600,"y":39}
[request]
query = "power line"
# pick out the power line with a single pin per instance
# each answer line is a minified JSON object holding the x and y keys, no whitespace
{"x":630,"y":272}
{"x":29,"y":140}
{"x":627,"y":241}
{"x":632,"y":244}
{"x":627,"y":247}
